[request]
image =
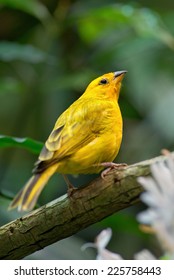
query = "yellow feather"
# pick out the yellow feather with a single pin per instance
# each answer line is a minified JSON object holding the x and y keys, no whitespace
{"x":86,"y":135}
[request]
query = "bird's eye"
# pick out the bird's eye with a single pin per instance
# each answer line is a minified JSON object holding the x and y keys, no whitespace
{"x":103,"y":82}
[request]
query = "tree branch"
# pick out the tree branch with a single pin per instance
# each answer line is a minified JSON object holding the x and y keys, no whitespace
{"x":66,"y":216}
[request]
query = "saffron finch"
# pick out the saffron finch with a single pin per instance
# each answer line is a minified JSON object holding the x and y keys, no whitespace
{"x":85,"y":139}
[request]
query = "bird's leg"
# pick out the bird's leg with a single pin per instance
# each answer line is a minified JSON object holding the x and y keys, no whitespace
{"x":70,"y":186}
{"x":110,"y":166}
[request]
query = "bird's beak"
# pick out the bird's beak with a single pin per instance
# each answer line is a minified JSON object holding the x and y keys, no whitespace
{"x":119,"y":74}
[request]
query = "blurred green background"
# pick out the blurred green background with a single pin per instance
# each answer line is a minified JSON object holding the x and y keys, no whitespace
{"x":49,"y":51}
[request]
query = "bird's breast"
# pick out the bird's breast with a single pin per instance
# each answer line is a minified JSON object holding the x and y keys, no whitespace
{"x":107,"y":132}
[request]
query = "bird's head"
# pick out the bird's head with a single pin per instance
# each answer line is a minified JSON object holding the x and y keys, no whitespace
{"x":106,"y":86}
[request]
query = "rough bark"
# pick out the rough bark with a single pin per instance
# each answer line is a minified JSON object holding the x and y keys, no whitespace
{"x":66,"y":216}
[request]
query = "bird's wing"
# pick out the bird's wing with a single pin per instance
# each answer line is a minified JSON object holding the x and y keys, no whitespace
{"x":71,"y":132}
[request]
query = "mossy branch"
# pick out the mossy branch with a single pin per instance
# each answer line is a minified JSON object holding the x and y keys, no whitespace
{"x":66,"y":216}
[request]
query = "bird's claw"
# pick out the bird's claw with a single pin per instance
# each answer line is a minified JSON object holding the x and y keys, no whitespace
{"x":71,"y":190}
{"x":110,"y":166}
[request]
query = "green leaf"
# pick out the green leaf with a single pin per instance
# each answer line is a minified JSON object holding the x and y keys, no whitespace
{"x":24,"y":143}
{"x":13,"y":51}
{"x":32,"y":7}
{"x":96,"y":22}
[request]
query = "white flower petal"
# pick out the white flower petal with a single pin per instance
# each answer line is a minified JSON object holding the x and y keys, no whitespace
{"x":144,"y":255}
{"x":107,"y":255}
{"x":103,"y":238}
{"x":159,"y":196}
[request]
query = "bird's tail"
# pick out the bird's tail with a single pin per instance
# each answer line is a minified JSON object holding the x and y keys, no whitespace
{"x":26,"y":199}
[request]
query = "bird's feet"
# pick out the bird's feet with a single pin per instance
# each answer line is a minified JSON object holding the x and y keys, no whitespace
{"x":110,"y":166}
{"x":71,"y":188}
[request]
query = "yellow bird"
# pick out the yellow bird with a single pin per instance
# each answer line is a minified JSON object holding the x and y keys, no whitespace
{"x":85,"y":139}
